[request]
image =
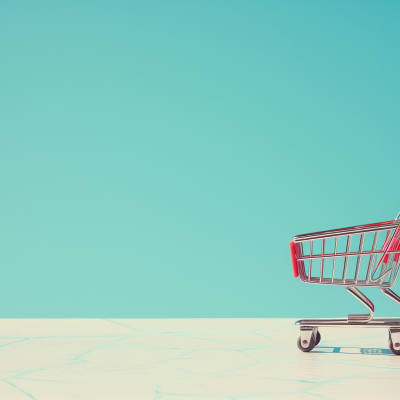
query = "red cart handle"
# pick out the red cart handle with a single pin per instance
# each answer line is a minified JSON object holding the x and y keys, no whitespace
{"x":293,"y":248}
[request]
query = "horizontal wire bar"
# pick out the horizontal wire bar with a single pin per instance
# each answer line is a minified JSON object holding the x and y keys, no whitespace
{"x":349,"y":254}
{"x":343,"y":232}
{"x":349,"y":282}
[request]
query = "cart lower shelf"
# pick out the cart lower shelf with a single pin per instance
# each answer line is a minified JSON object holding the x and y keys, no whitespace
{"x":310,"y":336}
{"x":344,"y":322}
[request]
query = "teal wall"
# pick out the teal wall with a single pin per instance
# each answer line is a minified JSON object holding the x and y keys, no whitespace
{"x":157,"y":157}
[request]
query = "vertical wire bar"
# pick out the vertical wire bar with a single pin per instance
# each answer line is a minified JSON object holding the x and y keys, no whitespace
{"x":381,"y":263}
{"x":371,"y":256}
{"x":300,"y":264}
{"x":390,"y":258}
{"x":389,"y":267}
{"x":395,"y":263}
{"x":309,"y":267}
{"x":395,"y":266}
{"x":322,"y":260}
{"x":392,"y":263}
{"x":334,"y":259}
{"x":346,"y":261}
{"x":359,"y":257}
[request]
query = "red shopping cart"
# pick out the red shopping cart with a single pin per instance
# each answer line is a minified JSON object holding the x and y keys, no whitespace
{"x":358,"y":256}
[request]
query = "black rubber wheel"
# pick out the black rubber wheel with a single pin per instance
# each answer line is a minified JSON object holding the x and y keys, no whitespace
{"x":311,"y":345}
{"x":395,"y":349}
{"x":318,"y":338}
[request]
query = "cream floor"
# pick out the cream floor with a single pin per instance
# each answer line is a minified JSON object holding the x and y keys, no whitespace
{"x":178,"y":359}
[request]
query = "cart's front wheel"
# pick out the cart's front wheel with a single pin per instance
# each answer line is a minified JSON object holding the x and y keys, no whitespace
{"x":394,"y":348}
{"x":305,"y":345}
{"x":318,"y":339}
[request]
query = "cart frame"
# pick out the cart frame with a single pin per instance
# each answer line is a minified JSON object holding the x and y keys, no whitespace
{"x":384,"y":259}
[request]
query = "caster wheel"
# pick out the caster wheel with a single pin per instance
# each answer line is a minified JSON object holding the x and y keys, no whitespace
{"x":394,"y":348}
{"x":309,"y":346}
{"x":318,"y":339}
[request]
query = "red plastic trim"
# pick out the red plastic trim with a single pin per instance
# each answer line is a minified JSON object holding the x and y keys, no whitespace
{"x":294,"y":258}
{"x":395,"y":245}
{"x":376,"y":223}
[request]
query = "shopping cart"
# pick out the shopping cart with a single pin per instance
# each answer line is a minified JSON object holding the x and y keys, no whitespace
{"x":363,"y":256}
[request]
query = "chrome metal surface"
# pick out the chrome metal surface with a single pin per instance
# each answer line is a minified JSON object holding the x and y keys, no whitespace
{"x":346,"y":254}
{"x":359,"y":257}
{"x":386,"y":251}
{"x":352,"y":267}
{"x":361,"y":318}
{"x":382,"y":256}
{"x":353,"y":230}
{"x":371,"y":257}
{"x":391,"y":295}
{"x":344,"y":323}
{"x":357,"y":320}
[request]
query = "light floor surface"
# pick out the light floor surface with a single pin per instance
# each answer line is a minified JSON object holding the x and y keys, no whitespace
{"x":178,"y":359}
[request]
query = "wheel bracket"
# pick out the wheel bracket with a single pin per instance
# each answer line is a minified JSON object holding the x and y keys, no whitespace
{"x":395,"y":336}
{"x":306,"y":333}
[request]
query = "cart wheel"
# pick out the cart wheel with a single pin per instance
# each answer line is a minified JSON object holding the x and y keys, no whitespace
{"x":318,"y":338}
{"x":395,"y":349}
{"x":311,"y":345}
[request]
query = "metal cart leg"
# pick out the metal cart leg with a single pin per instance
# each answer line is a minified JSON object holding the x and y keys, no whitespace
{"x":367,"y":303}
{"x":389,"y":293}
{"x":394,"y":333}
{"x":310,"y":337}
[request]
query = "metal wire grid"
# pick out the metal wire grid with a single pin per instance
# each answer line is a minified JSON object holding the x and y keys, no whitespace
{"x":383,"y":258}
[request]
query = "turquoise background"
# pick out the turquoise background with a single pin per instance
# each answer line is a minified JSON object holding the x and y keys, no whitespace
{"x":157,"y":157}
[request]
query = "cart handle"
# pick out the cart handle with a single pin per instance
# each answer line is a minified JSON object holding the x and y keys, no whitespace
{"x":293,"y":248}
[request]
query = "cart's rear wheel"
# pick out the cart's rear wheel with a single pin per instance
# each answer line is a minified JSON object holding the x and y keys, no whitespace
{"x":306,"y":346}
{"x":318,"y":339}
{"x":394,"y":348}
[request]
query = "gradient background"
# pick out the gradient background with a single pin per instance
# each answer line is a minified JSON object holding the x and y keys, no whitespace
{"x":157,"y":157}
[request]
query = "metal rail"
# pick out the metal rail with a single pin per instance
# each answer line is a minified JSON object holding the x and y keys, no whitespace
{"x":385,"y":258}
